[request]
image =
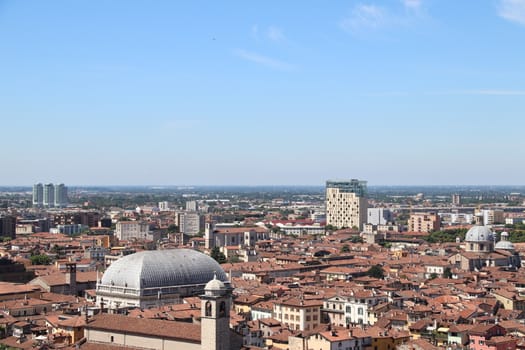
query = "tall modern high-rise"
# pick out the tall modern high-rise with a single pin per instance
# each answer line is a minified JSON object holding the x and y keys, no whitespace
{"x":60,"y":195}
{"x":38,"y":195}
{"x":49,"y":195}
{"x":346,"y":203}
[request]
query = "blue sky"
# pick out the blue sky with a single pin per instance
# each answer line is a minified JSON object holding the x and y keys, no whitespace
{"x":395,"y":92}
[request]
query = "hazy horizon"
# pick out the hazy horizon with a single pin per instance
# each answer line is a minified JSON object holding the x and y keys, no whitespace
{"x":184,"y":186}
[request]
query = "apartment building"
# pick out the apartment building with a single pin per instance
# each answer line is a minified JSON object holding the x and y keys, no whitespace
{"x":190,"y":222}
{"x":424,"y":222}
{"x":352,"y":307}
{"x":379,"y":216}
{"x":298,"y":314}
{"x":489,"y":216}
{"x":346,"y":203}
{"x":7,"y":226}
{"x":127,"y":230}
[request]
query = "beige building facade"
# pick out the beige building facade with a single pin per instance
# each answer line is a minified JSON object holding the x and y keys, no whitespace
{"x":346,"y":203}
{"x":297,"y":314}
{"x":424,"y":222}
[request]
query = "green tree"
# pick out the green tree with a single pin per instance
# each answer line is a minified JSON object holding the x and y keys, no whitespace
{"x":218,"y":255}
{"x":234,"y":259}
{"x":330,"y":228}
{"x":345,"y":248}
{"x":40,"y":259}
{"x":356,"y":239}
{"x":173,"y":228}
{"x":433,"y":276}
{"x":376,"y":271}
{"x":447,"y":273}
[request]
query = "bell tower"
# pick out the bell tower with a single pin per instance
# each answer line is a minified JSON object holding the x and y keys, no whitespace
{"x":215,"y":316}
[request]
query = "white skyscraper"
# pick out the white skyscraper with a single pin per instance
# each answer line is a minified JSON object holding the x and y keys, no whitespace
{"x":60,"y":195}
{"x":38,"y":195}
{"x":49,"y":195}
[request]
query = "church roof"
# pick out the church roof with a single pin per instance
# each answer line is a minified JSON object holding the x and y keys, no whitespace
{"x":163,"y":268}
{"x":182,"y":331}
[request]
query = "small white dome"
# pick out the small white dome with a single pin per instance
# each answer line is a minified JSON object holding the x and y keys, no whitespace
{"x":215,"y":285}
{"x":506,"y":245}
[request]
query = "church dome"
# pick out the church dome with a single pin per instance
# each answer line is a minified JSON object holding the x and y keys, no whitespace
{"x":479,"y":234}
{"x":506,"y":245}
{"x":163,"y":268}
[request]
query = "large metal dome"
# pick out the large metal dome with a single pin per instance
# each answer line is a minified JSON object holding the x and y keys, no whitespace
{"x":163,"y":268}
{"x":479,"y":234}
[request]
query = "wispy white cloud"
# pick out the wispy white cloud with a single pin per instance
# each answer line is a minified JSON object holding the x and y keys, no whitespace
{"x":412,"y":4}
{"x":271,"y":33}
{"x":275,"y":34}
{"x":365,"y":17}
{"x":478,"y":92}
{"x":494,"y":92}
{"x":512,"y":10}
{"x":474,"y":92}
{"x":263,"y":60}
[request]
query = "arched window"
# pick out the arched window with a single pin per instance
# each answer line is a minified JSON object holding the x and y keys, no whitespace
{"x":208,"y":309}
{"x":222,"y":309}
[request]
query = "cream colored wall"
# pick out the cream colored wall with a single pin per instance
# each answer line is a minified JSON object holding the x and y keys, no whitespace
{"x":175,"y":345}
{"x":96,"y":336}
{"x":320,"y":343}
{"x":143,"y":342}
{"x":345,"y":202}
{"x":93,"y":335}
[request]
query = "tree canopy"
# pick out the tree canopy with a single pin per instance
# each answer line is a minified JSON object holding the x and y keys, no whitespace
{"x":218,"y":255}
{"x":376,"y":271}
{"x":40,"y":259}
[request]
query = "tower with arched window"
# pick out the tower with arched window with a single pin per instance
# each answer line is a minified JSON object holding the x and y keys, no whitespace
{"x":215,"y":316}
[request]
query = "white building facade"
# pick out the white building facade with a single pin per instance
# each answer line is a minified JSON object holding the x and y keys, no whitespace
{"x":127,"y":230}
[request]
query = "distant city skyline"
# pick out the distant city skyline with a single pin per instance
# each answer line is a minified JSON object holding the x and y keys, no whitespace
{"x":398,"y":92}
